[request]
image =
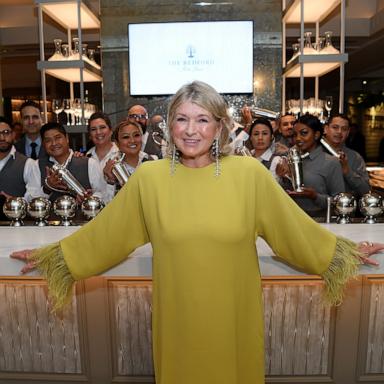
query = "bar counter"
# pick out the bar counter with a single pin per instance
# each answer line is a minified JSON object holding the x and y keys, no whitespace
{"x":104,"y":335}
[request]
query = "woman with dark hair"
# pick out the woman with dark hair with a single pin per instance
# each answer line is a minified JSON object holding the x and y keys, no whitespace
{"x":129,"y":138}
{"x":322,"y":173}
{"x":261,"y":142}
{"x":100,"y":132}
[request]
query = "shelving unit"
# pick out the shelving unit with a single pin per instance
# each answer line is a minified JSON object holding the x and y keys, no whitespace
{"x":303,"y":66}
{"x":71,"y":15}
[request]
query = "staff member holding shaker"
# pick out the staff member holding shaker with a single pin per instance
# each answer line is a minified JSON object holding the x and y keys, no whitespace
{"x":322,"y":174}
{"x":128,"y":136}
{"x":85,"y":170}
{"x":355,"y":175}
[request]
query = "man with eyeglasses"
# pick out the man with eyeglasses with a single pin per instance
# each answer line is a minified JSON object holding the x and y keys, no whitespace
{"x":19,"y":175}
{"x":356,"y":177}
{"x":30,"y":144}
{"x":138,"y":114}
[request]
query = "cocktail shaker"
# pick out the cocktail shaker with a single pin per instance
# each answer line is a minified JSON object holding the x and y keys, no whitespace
{"x":295,"y":165}
{"x":72,"y":183}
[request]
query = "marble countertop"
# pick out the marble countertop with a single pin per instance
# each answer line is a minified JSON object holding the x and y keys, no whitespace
{"x":140,"y":261}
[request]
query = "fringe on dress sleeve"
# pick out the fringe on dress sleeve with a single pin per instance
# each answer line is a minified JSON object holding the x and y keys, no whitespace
{"x":344,"y":266}
{"x":49,"y":260}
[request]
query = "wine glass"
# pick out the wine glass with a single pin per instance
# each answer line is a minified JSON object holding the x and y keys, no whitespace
{"x":58,"y":54}
{"x":328,"y":105}
{"x":65,"y":51}
{"x":57,"y":107}
{"x":76,"y":109}
{"x":76,"y":52}
{"x":67,"y":109}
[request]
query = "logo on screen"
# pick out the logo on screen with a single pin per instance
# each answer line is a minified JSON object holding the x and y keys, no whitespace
{"x":191,"y":51}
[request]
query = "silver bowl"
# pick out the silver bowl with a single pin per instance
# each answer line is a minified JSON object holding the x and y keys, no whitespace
{"x":371,"y":206}
{"x":91,"y":206}
{"x":15,"y":208}
{"x":39,"y":209}
{"x":345,"y":206}
{"x":65,"y":207}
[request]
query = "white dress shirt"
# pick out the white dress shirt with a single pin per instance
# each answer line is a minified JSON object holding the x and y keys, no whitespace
{"x":31,"y":176}
{"x":112,"y":153}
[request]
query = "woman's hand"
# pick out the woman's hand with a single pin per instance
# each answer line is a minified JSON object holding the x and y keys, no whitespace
{"x":307,"y":192}
{"x":366,"y":248}
{"x":25,"y":256}
{"x":108,"y":175}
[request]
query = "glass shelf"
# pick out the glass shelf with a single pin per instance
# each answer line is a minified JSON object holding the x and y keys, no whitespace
{"x":314,"y":65}
{"x":314,"y":11}
{"x":64,"y":12}
{"x":69,"y":70}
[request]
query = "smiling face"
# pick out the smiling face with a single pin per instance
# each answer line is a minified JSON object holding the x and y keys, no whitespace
{"x":305,"y":137}
{"x":56,"y":144}
{"x":129,"y":140}
{"x":99,"y":132}
{"x":261,"y":137}
{"x":336,"y":132}
{"x":193,"y":130}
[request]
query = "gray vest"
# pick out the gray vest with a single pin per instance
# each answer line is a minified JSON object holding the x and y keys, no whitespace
{"x":12,"y":176}
{"x":78,"y":166}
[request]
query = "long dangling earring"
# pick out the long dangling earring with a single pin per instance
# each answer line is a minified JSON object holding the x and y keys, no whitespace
{"x":175,"y":159}
{"x":216,"y":156}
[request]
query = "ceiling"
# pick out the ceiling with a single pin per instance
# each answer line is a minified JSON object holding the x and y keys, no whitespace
{"x":364,"y":42}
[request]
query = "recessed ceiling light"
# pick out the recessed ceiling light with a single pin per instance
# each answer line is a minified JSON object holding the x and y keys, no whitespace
{"x":204,"y":4}
{"x":364,"y":82}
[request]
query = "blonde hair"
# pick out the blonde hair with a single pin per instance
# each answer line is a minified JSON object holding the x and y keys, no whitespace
{"x":205,"y":97}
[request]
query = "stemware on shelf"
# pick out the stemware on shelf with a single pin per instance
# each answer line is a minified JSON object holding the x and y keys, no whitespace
{"x":84,"y":49}
{"x":328,"y":46}
{"x":58,"y":55}
{"x":91,"y":54}
{"x":76,"y":108}
{"x":57,"y":107}
{"x":328,"y":105}
{"x":67,"y":107}
{"x":308,"y":49}
{"x":76,"y":49}
{"x":66,"y":51}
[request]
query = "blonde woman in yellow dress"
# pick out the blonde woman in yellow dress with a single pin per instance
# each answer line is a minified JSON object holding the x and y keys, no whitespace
{"x":202,"y":212}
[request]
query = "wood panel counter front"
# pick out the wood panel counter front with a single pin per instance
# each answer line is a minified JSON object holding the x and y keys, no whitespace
{"x":104,"y":336}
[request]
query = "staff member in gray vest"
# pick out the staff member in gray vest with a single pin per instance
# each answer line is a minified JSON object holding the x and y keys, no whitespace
{"x":86,"y":170}
{"x":19,"y":176}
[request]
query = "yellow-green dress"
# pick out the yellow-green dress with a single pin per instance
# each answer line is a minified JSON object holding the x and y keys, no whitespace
{"x":207,"y":297}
